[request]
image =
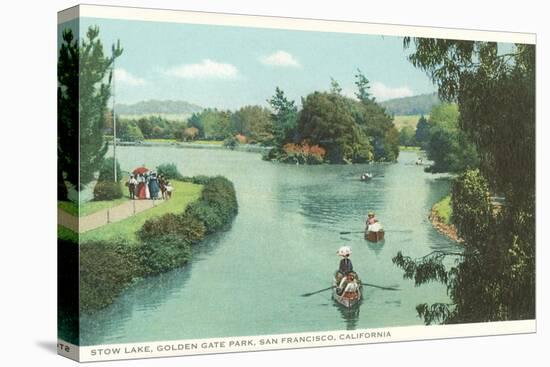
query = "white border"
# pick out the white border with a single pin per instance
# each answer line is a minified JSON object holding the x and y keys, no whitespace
{"x":187,"y":347}
{"x":180,"y":16}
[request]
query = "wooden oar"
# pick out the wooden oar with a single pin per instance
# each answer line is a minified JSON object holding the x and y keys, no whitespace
{"x":384,"y":288}
{"x":366,"y":284}
{"x":319,"y":291}
{"x":391,"y":230}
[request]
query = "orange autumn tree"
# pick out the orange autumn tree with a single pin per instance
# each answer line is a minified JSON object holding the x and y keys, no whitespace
{"x":304,"y":153}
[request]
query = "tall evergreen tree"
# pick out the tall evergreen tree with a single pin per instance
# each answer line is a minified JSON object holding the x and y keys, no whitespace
{"x":84,"y":80}
{"x":335,"y":86}
{"x":422,"y":132}
{"x":284,"y":116}
{"x":363,"y":87}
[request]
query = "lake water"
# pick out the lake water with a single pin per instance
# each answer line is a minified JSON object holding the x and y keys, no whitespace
{"x":283,"y":242}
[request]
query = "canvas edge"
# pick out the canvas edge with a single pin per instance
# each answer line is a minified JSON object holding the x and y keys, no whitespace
{"x":288,"y":23}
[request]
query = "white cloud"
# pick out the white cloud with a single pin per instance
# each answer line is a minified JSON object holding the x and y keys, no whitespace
{"x":206,"y":69}
{"x":124,"y":77}
{"x":280,"y":58}
{"x":383,"y":92}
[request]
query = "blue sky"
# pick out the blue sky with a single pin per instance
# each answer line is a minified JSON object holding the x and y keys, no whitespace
{"x":229,"y":67}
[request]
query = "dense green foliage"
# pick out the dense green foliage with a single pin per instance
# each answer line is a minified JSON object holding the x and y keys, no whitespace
{"x":128,"y":130}
{"x":213,"y":124}
{"x":107,"y":190}
{"x":150,"y":127}
{"x":284,"y":116}
{"x":447,"y":145}
{"x":349,"y":130}
{"x":422,"y":133}
{"x":378,"y":126}
{"x":231,"y":142}
{"x":333,"y":128}
{"x":170,"y":171}
{"x":326,"y":120}
{"x":415,"y":105}
{"x":254,"y":122}
{"x":494,"y":278}
{"x":84,"y":78}
{"x":163,"y":253}
{"x":106,"y":171}
{"x":106,"y":267}
{"x":407,"y":137}
{"x":217,"y":205}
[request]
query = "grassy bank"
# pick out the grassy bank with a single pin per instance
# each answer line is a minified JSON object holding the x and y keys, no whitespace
{"x":444,"y":210}
{"x":406,"y":148}
{"x":402,"y":121}
{"x":441,"y":217}
{"x":184,"y":193}
{"x":112,"y":258}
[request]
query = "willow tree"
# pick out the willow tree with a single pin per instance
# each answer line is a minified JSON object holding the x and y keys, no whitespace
{"x":494,"y":277}
{"x":84,"y":88}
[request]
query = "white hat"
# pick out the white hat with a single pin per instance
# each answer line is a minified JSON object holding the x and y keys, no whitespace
{"x":344,"y":251}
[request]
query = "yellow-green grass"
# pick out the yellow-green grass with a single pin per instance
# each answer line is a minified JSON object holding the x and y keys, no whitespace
{"x":184,"y":193}
{"x":444,"y":210}
{"x":400,"y":121}
{"x":159,"y":140}
{"x":208,"y":142}
{"x":91,"y":207}
{"x":403,"y":147}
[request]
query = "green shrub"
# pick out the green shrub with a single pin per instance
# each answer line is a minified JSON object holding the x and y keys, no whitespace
{"x":105,"y":269}
{"x":206,"y":214}
{"x":200,"y":180}
{"x":107,"y":190}
{"x":170,"y":171}
{"x":231,"y":142}
{"x":106,"y":171}
{"x":108,"y":267}
{"x":471,"y":207}
{"x":190,"y":229}
{"x":164,"y":253}
{"x":217,"y":205}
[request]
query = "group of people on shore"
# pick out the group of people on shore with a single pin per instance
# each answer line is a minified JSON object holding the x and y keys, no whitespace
{"x":149,"y":185}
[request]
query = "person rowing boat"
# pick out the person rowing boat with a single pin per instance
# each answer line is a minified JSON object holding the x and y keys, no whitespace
{"x":374,"y":231}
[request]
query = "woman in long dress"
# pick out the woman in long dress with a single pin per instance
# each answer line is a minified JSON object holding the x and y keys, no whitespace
{"x":141,"y":187}
{"x":154,"y":185}
{"x":147,"y":192}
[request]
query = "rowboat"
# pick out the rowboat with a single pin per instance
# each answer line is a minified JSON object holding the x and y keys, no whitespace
{"x":366,"y":176}
{"x":373,"y":236}
{"x":347,"y":299}
{"x":374,"y":232}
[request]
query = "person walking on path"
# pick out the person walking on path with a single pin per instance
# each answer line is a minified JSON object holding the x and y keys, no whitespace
{"x":132,"y":187}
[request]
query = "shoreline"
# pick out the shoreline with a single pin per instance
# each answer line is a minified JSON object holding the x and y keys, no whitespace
{"x":240,"y":148}
{"x":448,"y":230}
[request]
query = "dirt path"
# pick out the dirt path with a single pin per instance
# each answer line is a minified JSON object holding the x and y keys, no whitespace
{"x":103,"y":217}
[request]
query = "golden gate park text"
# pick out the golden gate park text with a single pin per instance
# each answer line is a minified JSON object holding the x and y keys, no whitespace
{"x":241,"y":343}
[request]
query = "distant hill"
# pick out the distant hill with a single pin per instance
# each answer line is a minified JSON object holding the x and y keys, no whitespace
{"x":156,"y":107}
{"x":416,"y":105}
